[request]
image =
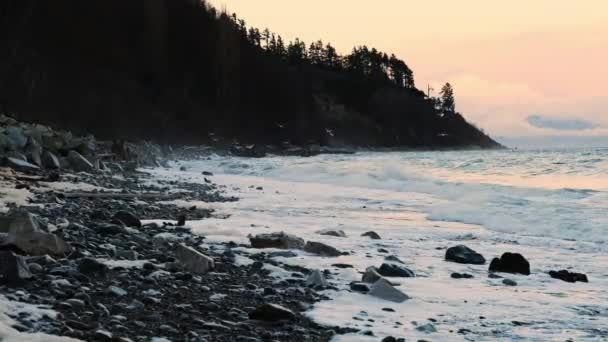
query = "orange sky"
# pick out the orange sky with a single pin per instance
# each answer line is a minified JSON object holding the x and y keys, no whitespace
{"x":507,"y":60}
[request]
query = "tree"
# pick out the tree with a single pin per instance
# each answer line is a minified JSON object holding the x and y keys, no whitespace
{"x":448,"y":105}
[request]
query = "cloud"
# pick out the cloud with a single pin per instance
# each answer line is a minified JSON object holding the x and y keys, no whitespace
{"x":560,"y":124}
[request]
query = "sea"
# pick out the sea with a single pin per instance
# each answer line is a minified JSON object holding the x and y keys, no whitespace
{"x":550,"y":205}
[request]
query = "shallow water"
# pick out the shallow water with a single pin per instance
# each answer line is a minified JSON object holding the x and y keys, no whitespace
{"x":548,"y":205}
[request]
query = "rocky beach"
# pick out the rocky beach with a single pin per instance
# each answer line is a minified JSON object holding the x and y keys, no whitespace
{"x":113,"y":241}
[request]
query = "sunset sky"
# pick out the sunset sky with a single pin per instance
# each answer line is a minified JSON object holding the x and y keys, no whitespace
{"x":519,"y":68}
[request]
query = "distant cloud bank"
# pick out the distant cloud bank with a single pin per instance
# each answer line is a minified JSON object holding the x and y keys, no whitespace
{"x":540,"y":121}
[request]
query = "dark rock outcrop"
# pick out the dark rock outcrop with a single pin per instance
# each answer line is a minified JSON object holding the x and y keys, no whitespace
{"x":271,"y":313}
{"x":394,"y":270}
{"x":384,"y":290}
{"x":13,"y":269}
{"x":277,"y":240}
{"x":372,"y":235}
{"x":570,"y":277}
{"x":321,"y":249}
{"x":464,"y":255}
{"x":510,"y":263}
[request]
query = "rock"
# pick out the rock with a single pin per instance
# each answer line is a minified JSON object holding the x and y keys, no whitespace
{"x":332,"y":232}
{"x":569,"y":277}
{"x":207,"y":173}
{"x":250,"y":151}
{"x":321,"y":249}
{"x":116,"y":291}
{"x":37,"y":243}
{"x":13,"y":269}
{"x":102,"y":336}
{"x":16,"y":138}
{"x":283,"y":254}
{"x":193,"y":261}
{"x":110,"y":229}
{"x":371,"y":275}
{"x":394,"y":270}
{"x":393,"y":259}
{"x":509,"y":282}
{"x":342,"y":265}
{"x":19,"y":221}
{"x":316,"y":279}
{"x":372,"y":235}
{"x":271,"y":313}
{"x":181,"y":221}
{"x":20,"y":165}
{"x":392,"y":339}
{"x":384,"y":290}
{"x":50,"y":161}
{"x":510,"y":263}
{"x":277,"y":240}
{"x":461,"y":276}
{"x":464,"y":255}
{"x":79,"y":163}
{"x":359,"y":287}
{"x":128,"y":218}
{"x":91,"y":266}
{"x":35,"y":268}
{"x":427,"y":328}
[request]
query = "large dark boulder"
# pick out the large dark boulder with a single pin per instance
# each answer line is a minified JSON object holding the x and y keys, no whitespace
{"x":464,"y":255}
{"x":394,"y":270}
{"x":570,"y":277}
{"x":372,"y":235}
{"x":271,"y":313}
{"x":321,"y":249}
{"x":128,"y":218}
{"x":510,"y":263}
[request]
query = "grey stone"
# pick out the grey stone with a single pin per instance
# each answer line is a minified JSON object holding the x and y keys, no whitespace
{"x":19,"y":221}
{"x":371,"y":275}
{"x":35,"y":268}
{"x":332,"y":232}
{"x":79,"y":163}
{"x":277,"y":240}
{"x":427,"y":328}
{"x":116,"y":291}
{"x":13,"y":269}
{"x":20,"y":165}
{"x":37,"y":243}
{"x":192,"y":260}
{"x":321,"y":249}
{"x":16,"y":137}
{"x":372,"y":235}
{"x":316,"y":279}
{"x":384,"y":290}
{"x":359,"y":287}
{"x":509,"y":282}
{"x":50,"y":161}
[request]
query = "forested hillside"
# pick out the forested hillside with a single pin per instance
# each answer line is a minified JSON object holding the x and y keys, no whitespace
{"x":180,"y":71}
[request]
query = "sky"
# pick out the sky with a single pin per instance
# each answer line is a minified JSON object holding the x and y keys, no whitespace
{"x":520,"y":68}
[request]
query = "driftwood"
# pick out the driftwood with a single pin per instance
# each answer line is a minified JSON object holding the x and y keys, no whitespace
{"x":119,"y":195}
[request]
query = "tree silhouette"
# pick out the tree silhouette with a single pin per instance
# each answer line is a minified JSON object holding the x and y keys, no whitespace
{"x":448,"y":105}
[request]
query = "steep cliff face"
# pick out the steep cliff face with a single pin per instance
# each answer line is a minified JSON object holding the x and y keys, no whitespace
{"x":178,"y":71}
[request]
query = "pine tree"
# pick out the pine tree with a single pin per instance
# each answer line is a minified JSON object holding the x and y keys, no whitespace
{"x":448,"y":105}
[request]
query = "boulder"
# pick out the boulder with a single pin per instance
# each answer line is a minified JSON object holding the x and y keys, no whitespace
{"x":89,"y":266}
{"x":128,"y":218}
{"x":461,"y":276}
{"x":316,"y":279}
{"x":509,"y":282}
{"x":19,"y":221}
{"x":50,"y":161}
{"x":79,"y":163}
{"x":321,"y":249}
{"x":20,"y":164}
{"x":372,"y":235}
{"x":192,"y":260}
{"x":249,"y":151}
{"x":510,"y":263}
{"x":464,"y":255}
{"x":384,"y":290}
{"x":271,"y":313}
{"x":394,"y":270}
{"x":16,"y":137}
{"x":359,"y":287}
{"x":371,"y":275}
{"x":277,"y":240}
{"x":110,"y":229}
{"x":332,"y":232}
{"x":36,"y":243}
{"x":569,"y":277}
{"x":13,"y":269}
